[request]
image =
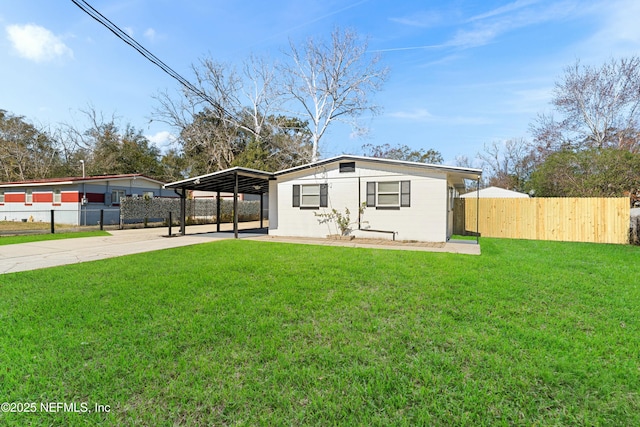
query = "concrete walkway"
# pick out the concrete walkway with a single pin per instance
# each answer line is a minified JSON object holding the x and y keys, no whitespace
{"x":51,"y":253}
{"x":466,"y":247}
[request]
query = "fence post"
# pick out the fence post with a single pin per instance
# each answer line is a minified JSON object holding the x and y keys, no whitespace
{"x":53,"y":227}
{"x":170,"y":221}
{"x":101,"y":219}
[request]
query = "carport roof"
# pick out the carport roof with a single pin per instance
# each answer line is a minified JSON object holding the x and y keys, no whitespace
{"x":250,"y":181}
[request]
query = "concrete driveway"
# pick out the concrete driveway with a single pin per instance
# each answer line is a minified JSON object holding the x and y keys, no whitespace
{"x":50,"y":253}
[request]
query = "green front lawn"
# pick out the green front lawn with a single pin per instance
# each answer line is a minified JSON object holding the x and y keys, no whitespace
{"x":261,"y":333}
{"x":12,"y":240}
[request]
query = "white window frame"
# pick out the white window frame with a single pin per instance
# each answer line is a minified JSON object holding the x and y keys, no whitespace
{"x":116,"y":195}
{"x":147,"y":195}
{"x":2,"y":197}
{"x":28,"y":197}
{"x":57,"y":196}
{"x":309,"y":190}
{"x":387,"y":193}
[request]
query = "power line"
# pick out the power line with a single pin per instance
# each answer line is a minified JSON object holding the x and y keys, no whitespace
{"x":122,"y":35}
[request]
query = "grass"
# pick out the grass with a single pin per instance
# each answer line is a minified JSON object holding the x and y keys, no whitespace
{"x":20,"y":226}
{"x":12,"y":240}
{"x":461,"y":237}
{"x":260,"y":333}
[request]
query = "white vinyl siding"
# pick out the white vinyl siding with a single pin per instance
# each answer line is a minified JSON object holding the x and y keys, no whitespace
{"x":420,"y":214}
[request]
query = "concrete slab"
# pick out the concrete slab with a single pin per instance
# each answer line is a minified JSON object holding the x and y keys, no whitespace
{"x":51,"y":253}
{"x":466,"y":247}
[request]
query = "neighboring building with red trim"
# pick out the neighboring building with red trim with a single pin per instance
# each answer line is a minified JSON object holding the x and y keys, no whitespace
{"x":75,"y":200}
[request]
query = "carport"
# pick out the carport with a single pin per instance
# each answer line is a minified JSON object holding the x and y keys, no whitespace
{"x":235,"y":180}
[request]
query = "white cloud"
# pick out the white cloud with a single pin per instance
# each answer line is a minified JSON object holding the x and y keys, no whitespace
{"x":485,"y":28}
{"x":37,"y":43}
{"x":475,"y":37}
{"x":150,"y":34}
{"x":424,"y":116}
{"x":619,"y":32}
{"x":421,"y":20}
{"x":162,"y":139}
{"x":442,"y":61}
{"x":518,"y":4}
{"x":520,"y":14}
{"x":419,"y":114}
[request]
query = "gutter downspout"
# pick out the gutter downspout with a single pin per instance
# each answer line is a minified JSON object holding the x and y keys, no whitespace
{"x":359,"y":201}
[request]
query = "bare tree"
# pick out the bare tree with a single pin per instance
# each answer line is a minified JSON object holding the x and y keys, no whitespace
{"x":238,"y":111}
{"x":507,"y":164}
{"x":599,"y":107}
{"x":206,"y":126}
{"x":332,"y":81}
{"x":232,"y":112}
{"x":463,"y":161}
{"x":104,"y":147}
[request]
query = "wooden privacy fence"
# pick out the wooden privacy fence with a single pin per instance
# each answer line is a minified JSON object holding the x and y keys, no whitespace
{"x":597,"y":220}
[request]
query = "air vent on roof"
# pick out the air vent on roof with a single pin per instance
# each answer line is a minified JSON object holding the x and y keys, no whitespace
{"x":347,"y":167}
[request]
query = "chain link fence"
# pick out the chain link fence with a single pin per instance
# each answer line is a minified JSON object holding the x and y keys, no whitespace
{"x":133,"y":212}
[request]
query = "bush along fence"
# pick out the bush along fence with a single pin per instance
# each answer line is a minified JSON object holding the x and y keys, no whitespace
{"x":634,"y":230}
{"x":597,"y":220}
{"x":198,"y":211}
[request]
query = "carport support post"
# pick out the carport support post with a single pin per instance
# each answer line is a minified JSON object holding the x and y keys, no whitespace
{"x":183,"y":211}
{"x":218,"y":211}
{"x":235,"y":207}
{"x":261,"y":207}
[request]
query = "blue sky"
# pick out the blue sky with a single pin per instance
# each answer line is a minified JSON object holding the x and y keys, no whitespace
{"x":462,"y":73}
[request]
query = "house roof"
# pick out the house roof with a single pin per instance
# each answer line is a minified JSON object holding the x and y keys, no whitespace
{"x":495,"y":192}
{"x":469,"y":173}
{"x":253,"y":181}
{"x":76,"y":180}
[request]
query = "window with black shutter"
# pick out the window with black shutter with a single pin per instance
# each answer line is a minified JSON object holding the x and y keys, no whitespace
{"x":405,"y":194}
{"x":324,"y":193}
{"x":311,"y":196}
{"x":371,"y":194}
{"x":389,"y":194}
